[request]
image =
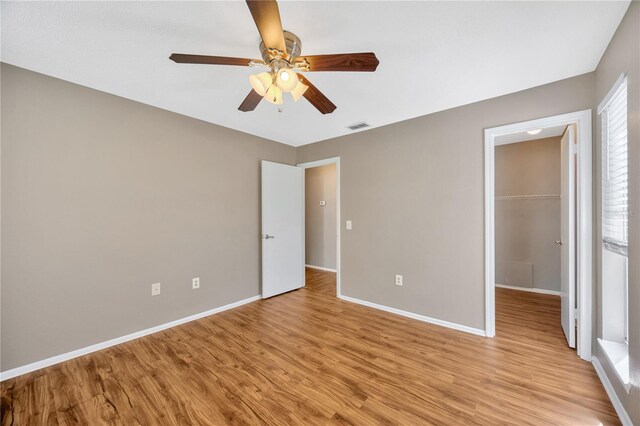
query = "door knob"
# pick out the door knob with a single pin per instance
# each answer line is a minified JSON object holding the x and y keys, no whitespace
{"x":267,"y":236}
{"x":558,"y":242}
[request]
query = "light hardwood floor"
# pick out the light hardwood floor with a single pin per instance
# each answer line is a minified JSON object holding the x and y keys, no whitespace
{"x":308,"y":358}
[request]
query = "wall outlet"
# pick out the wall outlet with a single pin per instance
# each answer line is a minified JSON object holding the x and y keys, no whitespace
{"x":155,"y":289}
{"x":195,"y":283}
{"x":323,"y":203}
{"x":398,"y":279}
{"x":349,"y":224}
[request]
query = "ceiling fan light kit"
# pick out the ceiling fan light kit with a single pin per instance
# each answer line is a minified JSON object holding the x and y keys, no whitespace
{"x":261,"y":82}
{"x":280,"y":51}
{"x":287,"y":80}
{"x":274,"y":95}
{"x":299,"y":91}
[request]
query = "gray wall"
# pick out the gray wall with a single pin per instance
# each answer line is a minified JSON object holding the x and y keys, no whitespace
{"x":414,"y":191}
{"x":526,"y":255}
{"x":320,"y":221}
{"x":623,"y":55}
{"x":101,"y":197}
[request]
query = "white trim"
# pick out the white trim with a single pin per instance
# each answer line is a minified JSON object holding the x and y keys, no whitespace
{"x":608,"y":387}
{"x":489,"y":236}
{"x":325,"y":162}
{"x":617,"y":354}
{"x":530,"y":289}
{"x":584,"y":213}
{"x":320,"y":268}
{"x":319,"y":163}
{"x":620,"y":82}
{"x":418,"y":317}
{"x":18,"y":371}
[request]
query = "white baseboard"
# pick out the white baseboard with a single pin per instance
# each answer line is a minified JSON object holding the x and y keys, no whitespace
{"x":18,"y":371}
{"x":530,"y":289}
{"x":320,"y":268}
{"x":418,"y":317}
{"x":617,"y":405}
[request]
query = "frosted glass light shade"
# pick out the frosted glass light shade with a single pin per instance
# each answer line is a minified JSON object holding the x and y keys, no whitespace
{"x":287,"y":79}
{"x":274,"y":95}
{"x":299,"y":91}
{"x":261,"y":82}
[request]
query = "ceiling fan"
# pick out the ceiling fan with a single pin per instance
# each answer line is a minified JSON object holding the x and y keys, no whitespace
{"x":281,"y":55}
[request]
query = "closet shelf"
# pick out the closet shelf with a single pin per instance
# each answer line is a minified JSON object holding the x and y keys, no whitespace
{"x":527,"y":197}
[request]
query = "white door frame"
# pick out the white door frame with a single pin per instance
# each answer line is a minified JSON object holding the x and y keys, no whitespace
{"x":584,"y":219}
{"x":309,"y":165}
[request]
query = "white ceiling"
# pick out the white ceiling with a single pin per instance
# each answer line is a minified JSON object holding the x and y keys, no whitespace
{"x":547,"y":132}
{"x":433,"y":55}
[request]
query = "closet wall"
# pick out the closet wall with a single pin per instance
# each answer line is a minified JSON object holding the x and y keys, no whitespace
{"x":528,"y":214}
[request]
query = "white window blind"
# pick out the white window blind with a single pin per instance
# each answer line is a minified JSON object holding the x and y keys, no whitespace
{"x":615,"y":173}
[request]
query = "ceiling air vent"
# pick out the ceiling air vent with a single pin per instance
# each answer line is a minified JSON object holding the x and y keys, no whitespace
{"x":358,"y":126}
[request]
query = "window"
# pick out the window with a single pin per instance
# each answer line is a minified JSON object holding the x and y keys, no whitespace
{"x":615,"y":230}
{"x":615,"y":179}
{"x":615,"y":206}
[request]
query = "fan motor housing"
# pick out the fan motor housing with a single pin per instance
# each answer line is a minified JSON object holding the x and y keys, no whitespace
{"x":292,"y":44}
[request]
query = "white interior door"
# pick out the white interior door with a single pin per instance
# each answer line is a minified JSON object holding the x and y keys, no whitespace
{"x":568,"y":235}
{"x":282,"y":228}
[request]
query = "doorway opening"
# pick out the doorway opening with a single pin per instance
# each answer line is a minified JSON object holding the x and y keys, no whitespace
{"x":322,"y":225}
{"x":528,"y":235}
{"x":538,"y":226}
{"x":283,"y":260}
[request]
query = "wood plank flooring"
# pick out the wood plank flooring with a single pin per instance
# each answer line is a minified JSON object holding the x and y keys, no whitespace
{"x":307,"y":358}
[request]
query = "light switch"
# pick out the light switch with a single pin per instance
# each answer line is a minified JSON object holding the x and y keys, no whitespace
{"x":348,"y":224}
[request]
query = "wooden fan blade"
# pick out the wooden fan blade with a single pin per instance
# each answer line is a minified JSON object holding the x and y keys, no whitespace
{"x":211,"y":60}
{"x":317,"y":99}
{"x":343,"y":62}
{"x":266,"y":15}
{"x":250,"y":102}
